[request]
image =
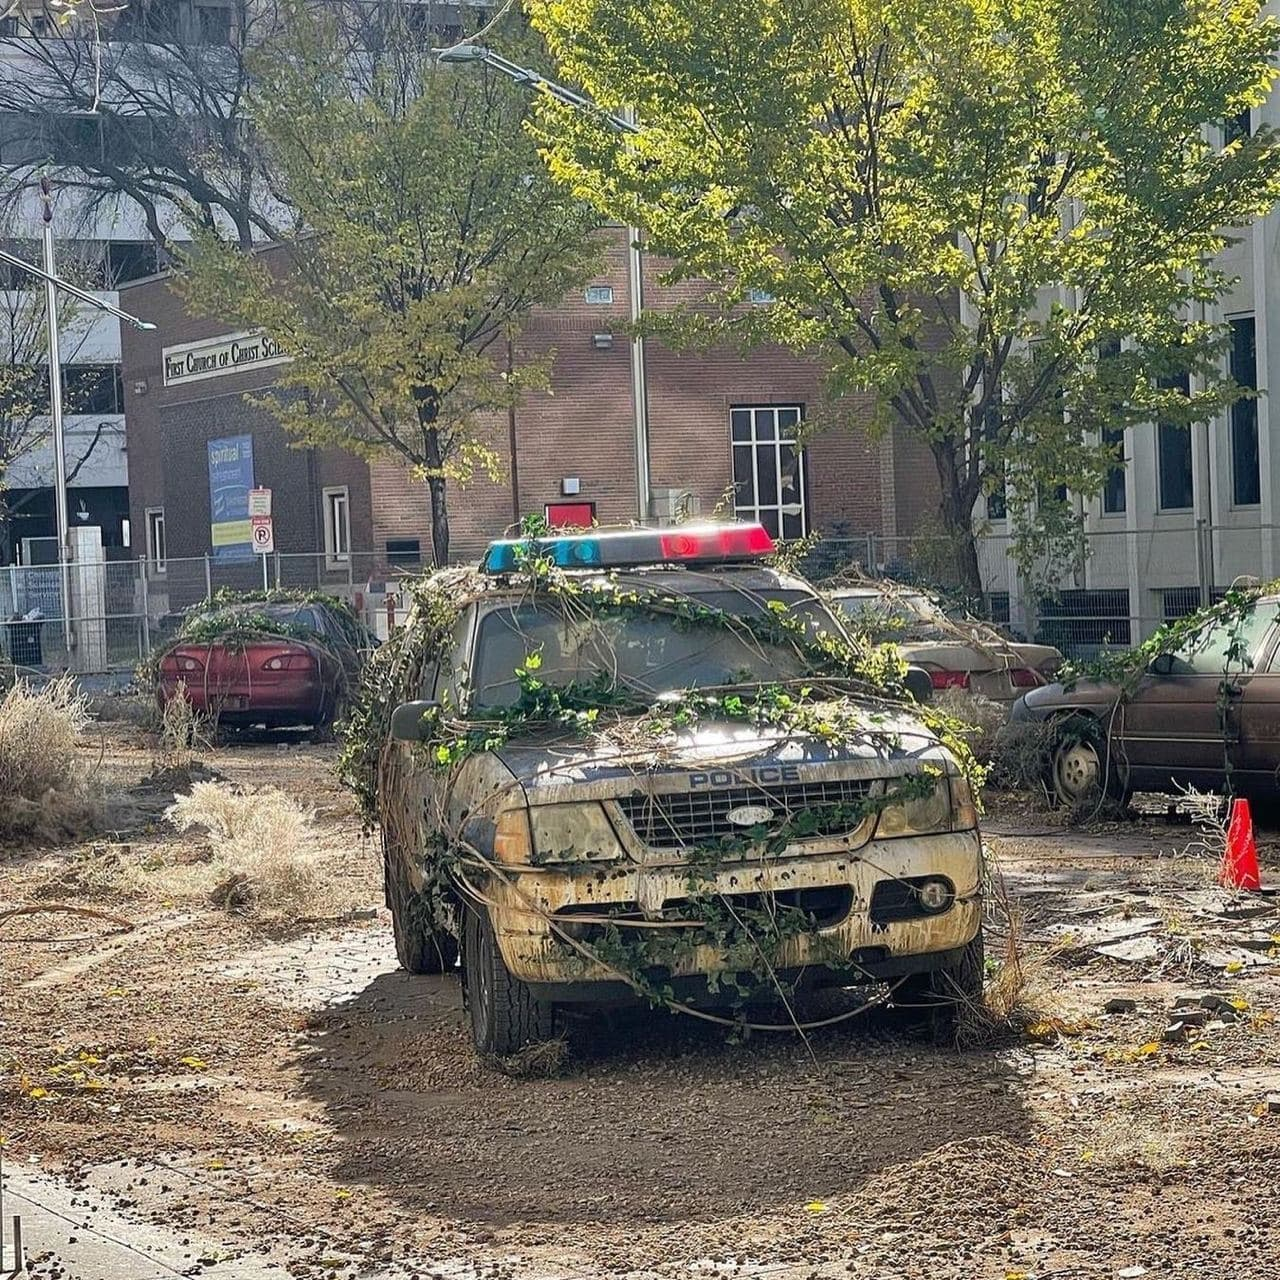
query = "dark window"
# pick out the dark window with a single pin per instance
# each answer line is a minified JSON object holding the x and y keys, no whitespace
{"x":92,"y":388}
{"x":1113,"y":492}
{"x":998,"y":607}
{"x":1173,"y":442}
{"x":1237,"y":127}
{"x":769,"y":469}
{"x":130,"y":260}
{"x":405,"y":552}
{"x":15,"y":277}
{"x":1246,"y":486}
{"x":1177,"y":602}
{"x":213,"y":23}
{"x":1085,"y":620}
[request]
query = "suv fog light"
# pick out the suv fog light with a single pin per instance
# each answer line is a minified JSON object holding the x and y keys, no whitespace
{"x":934,"y":895}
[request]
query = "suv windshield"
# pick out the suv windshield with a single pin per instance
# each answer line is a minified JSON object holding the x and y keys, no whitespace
{"x":650,"y":653}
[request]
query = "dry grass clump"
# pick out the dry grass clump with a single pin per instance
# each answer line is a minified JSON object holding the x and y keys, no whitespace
{"x":184,"y":733}
{"x":263,"y":846}
{"x":1016,"y":755}
{"x":1129,"y":1139}
{"x":45,"y":795}
{"x":543,"y":1060}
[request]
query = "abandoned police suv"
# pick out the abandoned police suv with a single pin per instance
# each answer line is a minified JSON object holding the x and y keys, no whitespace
{"x":583,"y":860}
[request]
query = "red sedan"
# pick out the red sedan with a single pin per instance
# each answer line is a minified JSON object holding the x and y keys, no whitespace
{"x":269,"y":664}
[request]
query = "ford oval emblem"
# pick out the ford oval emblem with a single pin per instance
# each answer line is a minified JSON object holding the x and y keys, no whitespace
{"x":749,"y":815}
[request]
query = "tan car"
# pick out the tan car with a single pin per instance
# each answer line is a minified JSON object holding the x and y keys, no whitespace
{"x":958,"y":653}
{"x":579,"y":842}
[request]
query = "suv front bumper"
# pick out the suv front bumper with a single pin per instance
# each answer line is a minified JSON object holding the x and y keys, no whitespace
{"x":856,"y":945}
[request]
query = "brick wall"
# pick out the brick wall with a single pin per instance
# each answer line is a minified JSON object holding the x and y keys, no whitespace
{"x":582,"y":429}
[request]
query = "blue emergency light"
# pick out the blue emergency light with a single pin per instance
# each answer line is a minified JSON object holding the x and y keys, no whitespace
{"x":615,"y":548}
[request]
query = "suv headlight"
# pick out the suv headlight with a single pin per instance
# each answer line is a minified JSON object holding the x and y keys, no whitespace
{"x":546,"y":834}
{"x":948,"y":806}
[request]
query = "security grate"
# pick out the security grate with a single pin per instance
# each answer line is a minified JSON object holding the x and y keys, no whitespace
{"x":684,"y":819}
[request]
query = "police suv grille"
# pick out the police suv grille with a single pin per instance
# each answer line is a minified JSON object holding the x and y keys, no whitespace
{"x":680,"y":819}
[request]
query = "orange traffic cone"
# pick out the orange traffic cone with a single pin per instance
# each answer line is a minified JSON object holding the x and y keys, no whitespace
{"x":1240,"y":860}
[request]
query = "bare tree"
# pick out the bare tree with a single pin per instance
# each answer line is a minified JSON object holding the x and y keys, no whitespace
{"x":25,"y":422}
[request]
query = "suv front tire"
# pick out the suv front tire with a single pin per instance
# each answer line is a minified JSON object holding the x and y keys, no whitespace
{"x":505,"y":1015}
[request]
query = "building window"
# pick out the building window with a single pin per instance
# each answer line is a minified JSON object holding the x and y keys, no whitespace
{"x":157,"y":553}
{"x":93,"y":388}
{"x":1246,"y":485}
{"x":1237,"y":127}
{"x":1113,"y":491}
{"x":599,"y":295}
{"x":127,"y":260}
{"x":768,"y":469}
{"x":760,"y":297}
{"x":1173,"y":444}
{"x":404,"y":553}
{"x":1081,"y":622}
{"x":337,"y":527}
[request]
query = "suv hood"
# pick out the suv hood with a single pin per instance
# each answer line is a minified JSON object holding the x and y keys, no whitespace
{"x":552,"y":768}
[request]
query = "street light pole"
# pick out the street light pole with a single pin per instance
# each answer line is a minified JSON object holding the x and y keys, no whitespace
{"x":55,"y":408}
{"x":460,"y":53}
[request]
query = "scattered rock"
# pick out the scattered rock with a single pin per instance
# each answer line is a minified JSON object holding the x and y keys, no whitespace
{"x":1174,"y":1032}
{"x":1120,"y":1005}
{"x":1273,"y":1104}
{"x":1193,"y":1017}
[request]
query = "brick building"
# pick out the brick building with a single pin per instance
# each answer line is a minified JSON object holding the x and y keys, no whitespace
{"x":715,"y":419}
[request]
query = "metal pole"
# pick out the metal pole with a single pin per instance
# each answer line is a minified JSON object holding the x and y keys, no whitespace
{"x":265,"y":586}
{"x":55,"y":409}
{"x":639,"y":381}
{"x":511,"y":440}
{"x":208,"y":578}
{"x":143,"y":566}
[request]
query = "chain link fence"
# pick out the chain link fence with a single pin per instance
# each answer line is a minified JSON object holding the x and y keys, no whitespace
{"x":1119,"y":588}
{"x":121,"y":609}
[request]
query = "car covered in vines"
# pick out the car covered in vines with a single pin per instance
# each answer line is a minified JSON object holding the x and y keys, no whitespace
{"x":647,"y":765}
{"x":1195,"y":706}
{"x":276,"y":659}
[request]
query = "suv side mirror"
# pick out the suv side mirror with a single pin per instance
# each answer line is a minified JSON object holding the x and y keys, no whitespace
{"x":919,"y":684}
{"x":406,"y":720}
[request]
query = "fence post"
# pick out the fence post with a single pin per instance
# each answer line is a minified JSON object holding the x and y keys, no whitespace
{"x":277,"y":571}
{"x":208,"y":578}
{"x":1202,"y":569}
{"x":146,"y":609}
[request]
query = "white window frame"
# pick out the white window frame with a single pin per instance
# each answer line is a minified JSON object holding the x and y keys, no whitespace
{"x":337,"y":552}
{"x":157,"y":557}
{"x":754,"y":510}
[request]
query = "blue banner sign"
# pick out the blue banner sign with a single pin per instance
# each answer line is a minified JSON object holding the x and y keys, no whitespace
{"x":230,"y":479}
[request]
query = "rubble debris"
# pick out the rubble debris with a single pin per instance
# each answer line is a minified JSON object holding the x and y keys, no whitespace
{"x":1120,"y":1004}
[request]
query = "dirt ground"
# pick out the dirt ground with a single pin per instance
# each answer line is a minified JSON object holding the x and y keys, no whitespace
{"x":274,"y":1088}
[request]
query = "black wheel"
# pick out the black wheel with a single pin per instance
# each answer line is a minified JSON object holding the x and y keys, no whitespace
{"x":943,"y":993}
{"x":419,"y":948}
{"x":505,"y":1016}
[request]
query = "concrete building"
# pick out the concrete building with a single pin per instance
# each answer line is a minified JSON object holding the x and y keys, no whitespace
{"x":1193,"y":510}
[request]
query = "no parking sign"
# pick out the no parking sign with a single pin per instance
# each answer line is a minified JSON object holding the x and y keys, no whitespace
{"x":262,"y":535}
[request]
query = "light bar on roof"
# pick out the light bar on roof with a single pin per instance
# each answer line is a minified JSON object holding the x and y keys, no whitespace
{"x":602,"y":549}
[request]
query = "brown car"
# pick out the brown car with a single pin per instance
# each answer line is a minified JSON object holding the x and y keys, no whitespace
{"x":1191,"y":717}
{"x":957,"y":652}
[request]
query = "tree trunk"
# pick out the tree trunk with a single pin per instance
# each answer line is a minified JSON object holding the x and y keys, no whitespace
{"x":957,"y":522}
{"x":436,"y":486}
{"x":439,"y":521}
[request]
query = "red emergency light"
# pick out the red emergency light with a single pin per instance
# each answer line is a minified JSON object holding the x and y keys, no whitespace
{"x":602,"y":549}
